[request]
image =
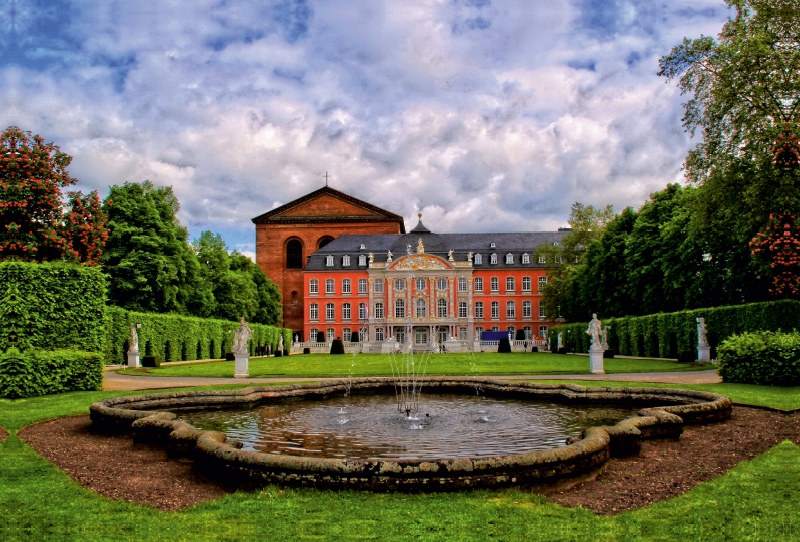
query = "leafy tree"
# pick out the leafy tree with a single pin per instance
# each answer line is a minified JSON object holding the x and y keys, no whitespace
{"x":34,"y":223}
{"x":745,"y":86}
{"x":268,"y":298}
{"x":151,"y":266}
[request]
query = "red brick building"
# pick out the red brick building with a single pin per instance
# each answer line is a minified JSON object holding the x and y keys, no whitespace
{"x":433,"y":286}
{"x":288,"y":235}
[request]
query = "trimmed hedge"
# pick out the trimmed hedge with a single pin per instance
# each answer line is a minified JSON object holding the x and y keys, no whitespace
{"x":763,"y":357}
{"x":40,"y":372}
{"x":52,"y":306}
{"x":337,"y":346}
{"x":664,"y":335}
{"x":174,"y":338}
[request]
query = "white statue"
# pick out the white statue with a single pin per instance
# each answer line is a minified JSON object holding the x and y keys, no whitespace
{"x":389,"y":257}
{"x":469,"y":257}
{"x":560,"y":340}
{"x":604,"y":334}
{"x":280,"y":341}
{"x":243,"y":334}
{"x":296,"y":338}
{"x":420,"y":247}
{"x":702,"y":333}
{"x":371,"y":257}
{"x":408,"y":249}
{"x":450,"y":255}
{"x":134,"y":348}
{"x":594,"y":330}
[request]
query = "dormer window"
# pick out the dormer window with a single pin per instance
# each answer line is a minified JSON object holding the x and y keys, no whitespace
{"x":509,"y":259}
{"x":362,"y":260}
{"x":555,"y":244}
{"x":492,"y":245}
{"x":526,"y":258}
{"x":543,"y":259}
{"x":346,"y":261}
{"x":478,"y":259}
{"x":493,"y":259}
{"x":329,"y":261}
{"x":363,"y":246}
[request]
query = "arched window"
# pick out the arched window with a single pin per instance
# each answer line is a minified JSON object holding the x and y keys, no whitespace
{"x":324,"y":241}
{"x":294,"y":254}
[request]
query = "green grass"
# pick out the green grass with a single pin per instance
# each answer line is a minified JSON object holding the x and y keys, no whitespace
{"x":486,"y":363}
{"x":755,"y":501}
{"x":749,"y":394}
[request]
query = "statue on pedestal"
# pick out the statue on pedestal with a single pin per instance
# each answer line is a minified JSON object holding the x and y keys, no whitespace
{"x":561,"y":340}
{"x":134,"y":342}
{"x":243,"y":334}
{"x":594,"y":329}
{"x":604,"y":335}
{"x":702,"y":332}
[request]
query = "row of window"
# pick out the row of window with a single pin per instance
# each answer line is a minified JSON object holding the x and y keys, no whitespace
{"x":330,"y":261}
{"x":421,"y":310}
{"x":422,"y":284}
{"x":420,"y":335}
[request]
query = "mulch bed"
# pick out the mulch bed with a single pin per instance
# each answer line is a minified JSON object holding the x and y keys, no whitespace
{"x":114,"y":467}
{"x":3,"y":434}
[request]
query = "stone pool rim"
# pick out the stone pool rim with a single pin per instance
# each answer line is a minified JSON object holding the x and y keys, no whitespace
{"x":148,"y":418}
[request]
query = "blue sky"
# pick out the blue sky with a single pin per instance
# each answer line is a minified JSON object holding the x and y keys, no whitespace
{"x":486,"y":115}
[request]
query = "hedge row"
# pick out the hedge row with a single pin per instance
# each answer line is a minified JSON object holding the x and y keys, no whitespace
{"x":40,"y":372}
{"x":764,"y":357}
{"x":664,"y":335}
{"x":51,"y":306}
{"x":176,"y":338}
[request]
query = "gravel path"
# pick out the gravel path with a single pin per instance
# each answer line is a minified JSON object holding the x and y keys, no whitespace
{"x":114,"y":381}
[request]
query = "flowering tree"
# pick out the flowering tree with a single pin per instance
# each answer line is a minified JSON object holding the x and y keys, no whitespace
{"x":35,"y":224}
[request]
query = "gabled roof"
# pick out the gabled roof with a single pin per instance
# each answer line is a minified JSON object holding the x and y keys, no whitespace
{"x":293,"y":212}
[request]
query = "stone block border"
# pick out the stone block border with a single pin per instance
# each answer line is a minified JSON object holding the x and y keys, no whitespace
{"x":666,"y":411}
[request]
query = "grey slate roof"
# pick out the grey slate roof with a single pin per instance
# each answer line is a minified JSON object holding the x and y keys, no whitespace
{"x":438,"y":244}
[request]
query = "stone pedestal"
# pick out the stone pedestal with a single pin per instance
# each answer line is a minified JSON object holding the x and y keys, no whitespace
{"x":704,"y":354}
{"x":133,"y":360}
{"x":388,"y":347}
{"x":476,"y":346}
{"x":365,"y":348}
{"x":242,"y":362}
{"x":596,"y":360}
{"x":452,"y":347}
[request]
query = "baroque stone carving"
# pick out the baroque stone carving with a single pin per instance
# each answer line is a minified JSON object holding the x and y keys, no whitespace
{"x":419,"y":262}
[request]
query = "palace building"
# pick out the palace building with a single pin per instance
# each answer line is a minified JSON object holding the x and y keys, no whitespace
{"x":365,"y":279}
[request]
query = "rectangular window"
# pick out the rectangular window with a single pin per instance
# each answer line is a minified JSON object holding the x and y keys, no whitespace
{"x":379,"y":334}
{"x":362,"y":286}
{"x":509,"y":259}
{"x":313,"y":312}
{"x":313,"y":286}
{"x":526,"y":284}
{"x":510,"y":286}
{"x":526,"y":309}
{"x":478,"y":333}
{"x":362,"y":311}
{"x":526,"y":258}
{"x":542,"y":259}
{"x":345,"y":286}
{"x":329,"y":286}
{"x":421,"y":336}
{"x":478,"y":284}
{"x":400,"y":309}
{"x":345,"y":311}
{"x":511,"y":310}
{"x":345,"y":261}
{"x":441,"y":308}
{"x":462,"y":334}
{"x":479,"y":309}
{"x":543,"y":332}
{"x":462,"y":284}
{"x":542,"y":283}
{"x":494,"y":284}
{"x":378,"y":310}
{"x":346,"y":334}
{"x":495,"y":310}
{"x":329,"y":261}
{"x":542,"y":311}
{"x":329,"y":312}
{"x":312,"y":334}
{"x":330,"y":334}
{"x":462,"y":309}
{"x":362,"y":260}
{"x":493,"y":259}
{"x":378,"y":286}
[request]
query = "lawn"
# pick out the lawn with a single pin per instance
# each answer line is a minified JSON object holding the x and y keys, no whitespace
{"x":485,"y":363}
{"x":755,"y":501}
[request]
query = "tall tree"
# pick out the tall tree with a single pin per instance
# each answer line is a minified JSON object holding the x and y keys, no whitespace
{"x":35,"y":225}
{"x":151,"y":265}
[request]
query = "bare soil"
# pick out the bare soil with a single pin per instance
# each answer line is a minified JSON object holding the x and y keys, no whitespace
{"x":3,"y":434}
{"x":113,"y":466}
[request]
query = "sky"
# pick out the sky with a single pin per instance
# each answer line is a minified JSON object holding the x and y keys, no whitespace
{"x":484,"y":115}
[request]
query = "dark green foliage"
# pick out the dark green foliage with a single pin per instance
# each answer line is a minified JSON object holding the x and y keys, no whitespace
{"x":52,"y":306}
{"x":306,"y":350}
{"x":151,"y":361}
{"x":278,"y":353}
{"x":229,"y":356}
{"x":189,"y":338}
{"x":41,"y":372}
{"x":608,"y":354}
{"x":687,"y":356}
{"x":504,"y":346}
{"x":151,"y":265}
{"x":763,"y":357}
{"x":337,"y":346}
{"x":663,"y":335}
